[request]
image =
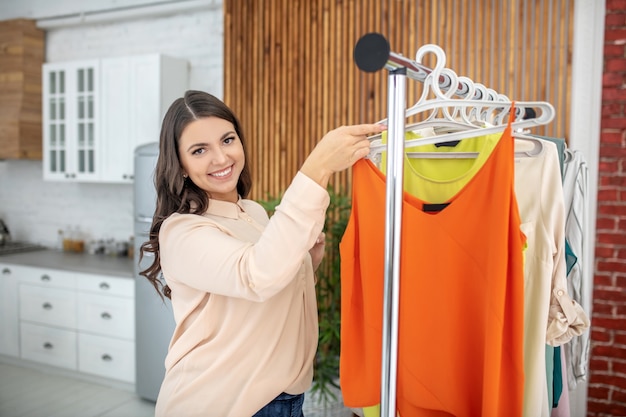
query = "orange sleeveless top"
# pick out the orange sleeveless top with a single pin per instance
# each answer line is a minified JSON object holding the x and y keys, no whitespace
{"x":461,"y":296}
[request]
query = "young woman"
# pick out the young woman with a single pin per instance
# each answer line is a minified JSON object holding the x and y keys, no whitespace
{"x":241,"y":285}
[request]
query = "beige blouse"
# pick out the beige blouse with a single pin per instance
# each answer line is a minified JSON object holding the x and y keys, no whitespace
{"x":243,"y":297}
{"x":550,"y":315}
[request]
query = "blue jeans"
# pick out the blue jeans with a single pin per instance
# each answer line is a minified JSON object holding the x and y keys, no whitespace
{"x":285,"y":405}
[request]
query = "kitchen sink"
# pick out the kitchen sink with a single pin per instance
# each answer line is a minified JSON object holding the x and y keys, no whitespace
{"x":11,"y":247}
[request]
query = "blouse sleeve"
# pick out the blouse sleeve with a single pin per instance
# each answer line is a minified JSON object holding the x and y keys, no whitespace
{"x":198,"y":252}
{"x":566,"y":317}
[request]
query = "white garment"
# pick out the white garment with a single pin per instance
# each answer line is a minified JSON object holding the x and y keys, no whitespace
{"x":550,"y":316}
{"x":575,"y":185}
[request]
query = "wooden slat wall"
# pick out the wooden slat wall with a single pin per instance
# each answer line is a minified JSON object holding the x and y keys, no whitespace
{"x":290,"y":76}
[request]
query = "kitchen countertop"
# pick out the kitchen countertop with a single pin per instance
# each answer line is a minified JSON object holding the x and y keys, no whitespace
{"x":76,"y":262}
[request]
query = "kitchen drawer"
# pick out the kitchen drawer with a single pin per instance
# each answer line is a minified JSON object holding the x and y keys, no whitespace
{"x":102,"y":284}
{"x":49,"y":345}
{"x":51,"y":306}
{"x":49,"y":278}
{"x":9,"y":311}
{"x":107,"y":357}
{"x":16,"y":271}
{"x":111,"y":316}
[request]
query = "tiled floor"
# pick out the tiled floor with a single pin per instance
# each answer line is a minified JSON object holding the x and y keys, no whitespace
{"x":31,"y":392}
{"x":27,"y":392}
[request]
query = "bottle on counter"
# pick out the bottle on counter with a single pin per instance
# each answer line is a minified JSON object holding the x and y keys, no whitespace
{"x":121,"y":248}
{"x":78,"y":243}
{"x":68,"y":239}
{"x":60,"y":240}
{"x":73,"y":239}
{"x":109,"y":247}
{"x":91,"y":247}
{"x":131,"y":247}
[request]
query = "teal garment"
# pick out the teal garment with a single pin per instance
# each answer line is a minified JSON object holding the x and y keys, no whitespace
{"x":570,"y":256}
{"x":550,"y":372}
{"x":557,"y":381}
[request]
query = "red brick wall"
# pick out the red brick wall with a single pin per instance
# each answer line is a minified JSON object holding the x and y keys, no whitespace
{"x":607,"y":385}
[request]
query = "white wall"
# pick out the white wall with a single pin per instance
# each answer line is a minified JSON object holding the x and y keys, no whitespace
{"x":38,"y":9}
{"x":587,"y":66}
{"x":35,"y":210}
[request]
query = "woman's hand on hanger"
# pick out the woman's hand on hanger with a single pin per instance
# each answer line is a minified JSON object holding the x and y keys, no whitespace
{"x":338,"y":150}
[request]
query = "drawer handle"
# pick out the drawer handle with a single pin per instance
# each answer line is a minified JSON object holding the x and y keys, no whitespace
{"x":6,"y":271}
{"x":45,"y":277}
{"x":47,"y":306}
{"x":107,"y":358}
{"x":104,"y":286}
{"x":105,"y":316}
{"x":48,"y":345}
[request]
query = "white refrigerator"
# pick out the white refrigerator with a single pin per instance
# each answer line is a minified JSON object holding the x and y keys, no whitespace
{"x":154,"y":320}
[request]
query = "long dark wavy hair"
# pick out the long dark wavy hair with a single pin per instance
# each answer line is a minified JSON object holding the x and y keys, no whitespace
{"x":176,"y":194}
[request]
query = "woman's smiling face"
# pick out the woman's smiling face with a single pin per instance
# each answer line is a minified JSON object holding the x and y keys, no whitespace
{"x":212,"y":155}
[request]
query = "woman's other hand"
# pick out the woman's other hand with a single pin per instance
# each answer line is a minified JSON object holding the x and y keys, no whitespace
{"x":338,"y":150}
{"x":317,"y":251}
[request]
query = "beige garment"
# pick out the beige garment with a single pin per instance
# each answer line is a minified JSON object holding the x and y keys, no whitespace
{"x":243,"y":297}
{"x":550,"y":315}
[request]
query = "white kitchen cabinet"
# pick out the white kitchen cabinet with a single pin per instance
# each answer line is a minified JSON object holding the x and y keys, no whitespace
{"x":77,"y":321}
{"x":47,"y":314}
{"x":106,"y":315}
{"x":9,"y":323}
{"x":131,"y":95}
{"x":70,"y":121}
{"x":106,"y":326}
{"x":48,"y":306}
{"x":50,"y":345}
{"x":136,"y":93}
{"x":106,"y":357}
{"x":48,"y":278}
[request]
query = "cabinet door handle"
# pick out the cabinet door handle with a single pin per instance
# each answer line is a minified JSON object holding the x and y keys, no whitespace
{"x":47,"y":306}
{"x":107,"y":358}
{"x":105,"y":316}
{"x":6,"y":271}
{"x":104,"y":286}
{"x":48,"y":345}
{"x":45,"y":277}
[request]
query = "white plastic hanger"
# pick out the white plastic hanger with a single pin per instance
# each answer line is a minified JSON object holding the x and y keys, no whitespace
{"x":497,"y":108}
{"x":537,"y":147}
{"x":452,"y":121}
{"x":492,"y":109}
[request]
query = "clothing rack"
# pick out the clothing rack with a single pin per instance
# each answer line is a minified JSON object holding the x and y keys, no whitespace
{"x":372,"y":53}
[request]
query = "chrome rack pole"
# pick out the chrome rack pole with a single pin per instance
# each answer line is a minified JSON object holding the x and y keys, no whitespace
{"x":393,"y":227}
{"x":393,"y":212}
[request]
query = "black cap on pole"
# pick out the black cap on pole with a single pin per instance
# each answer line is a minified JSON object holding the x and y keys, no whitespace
{"x":371,"y":52}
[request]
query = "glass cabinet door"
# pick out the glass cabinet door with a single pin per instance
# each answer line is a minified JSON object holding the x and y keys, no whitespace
{"x":70,"y":117}
{"x":85,"y":121}
{"x":56,"y":122}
